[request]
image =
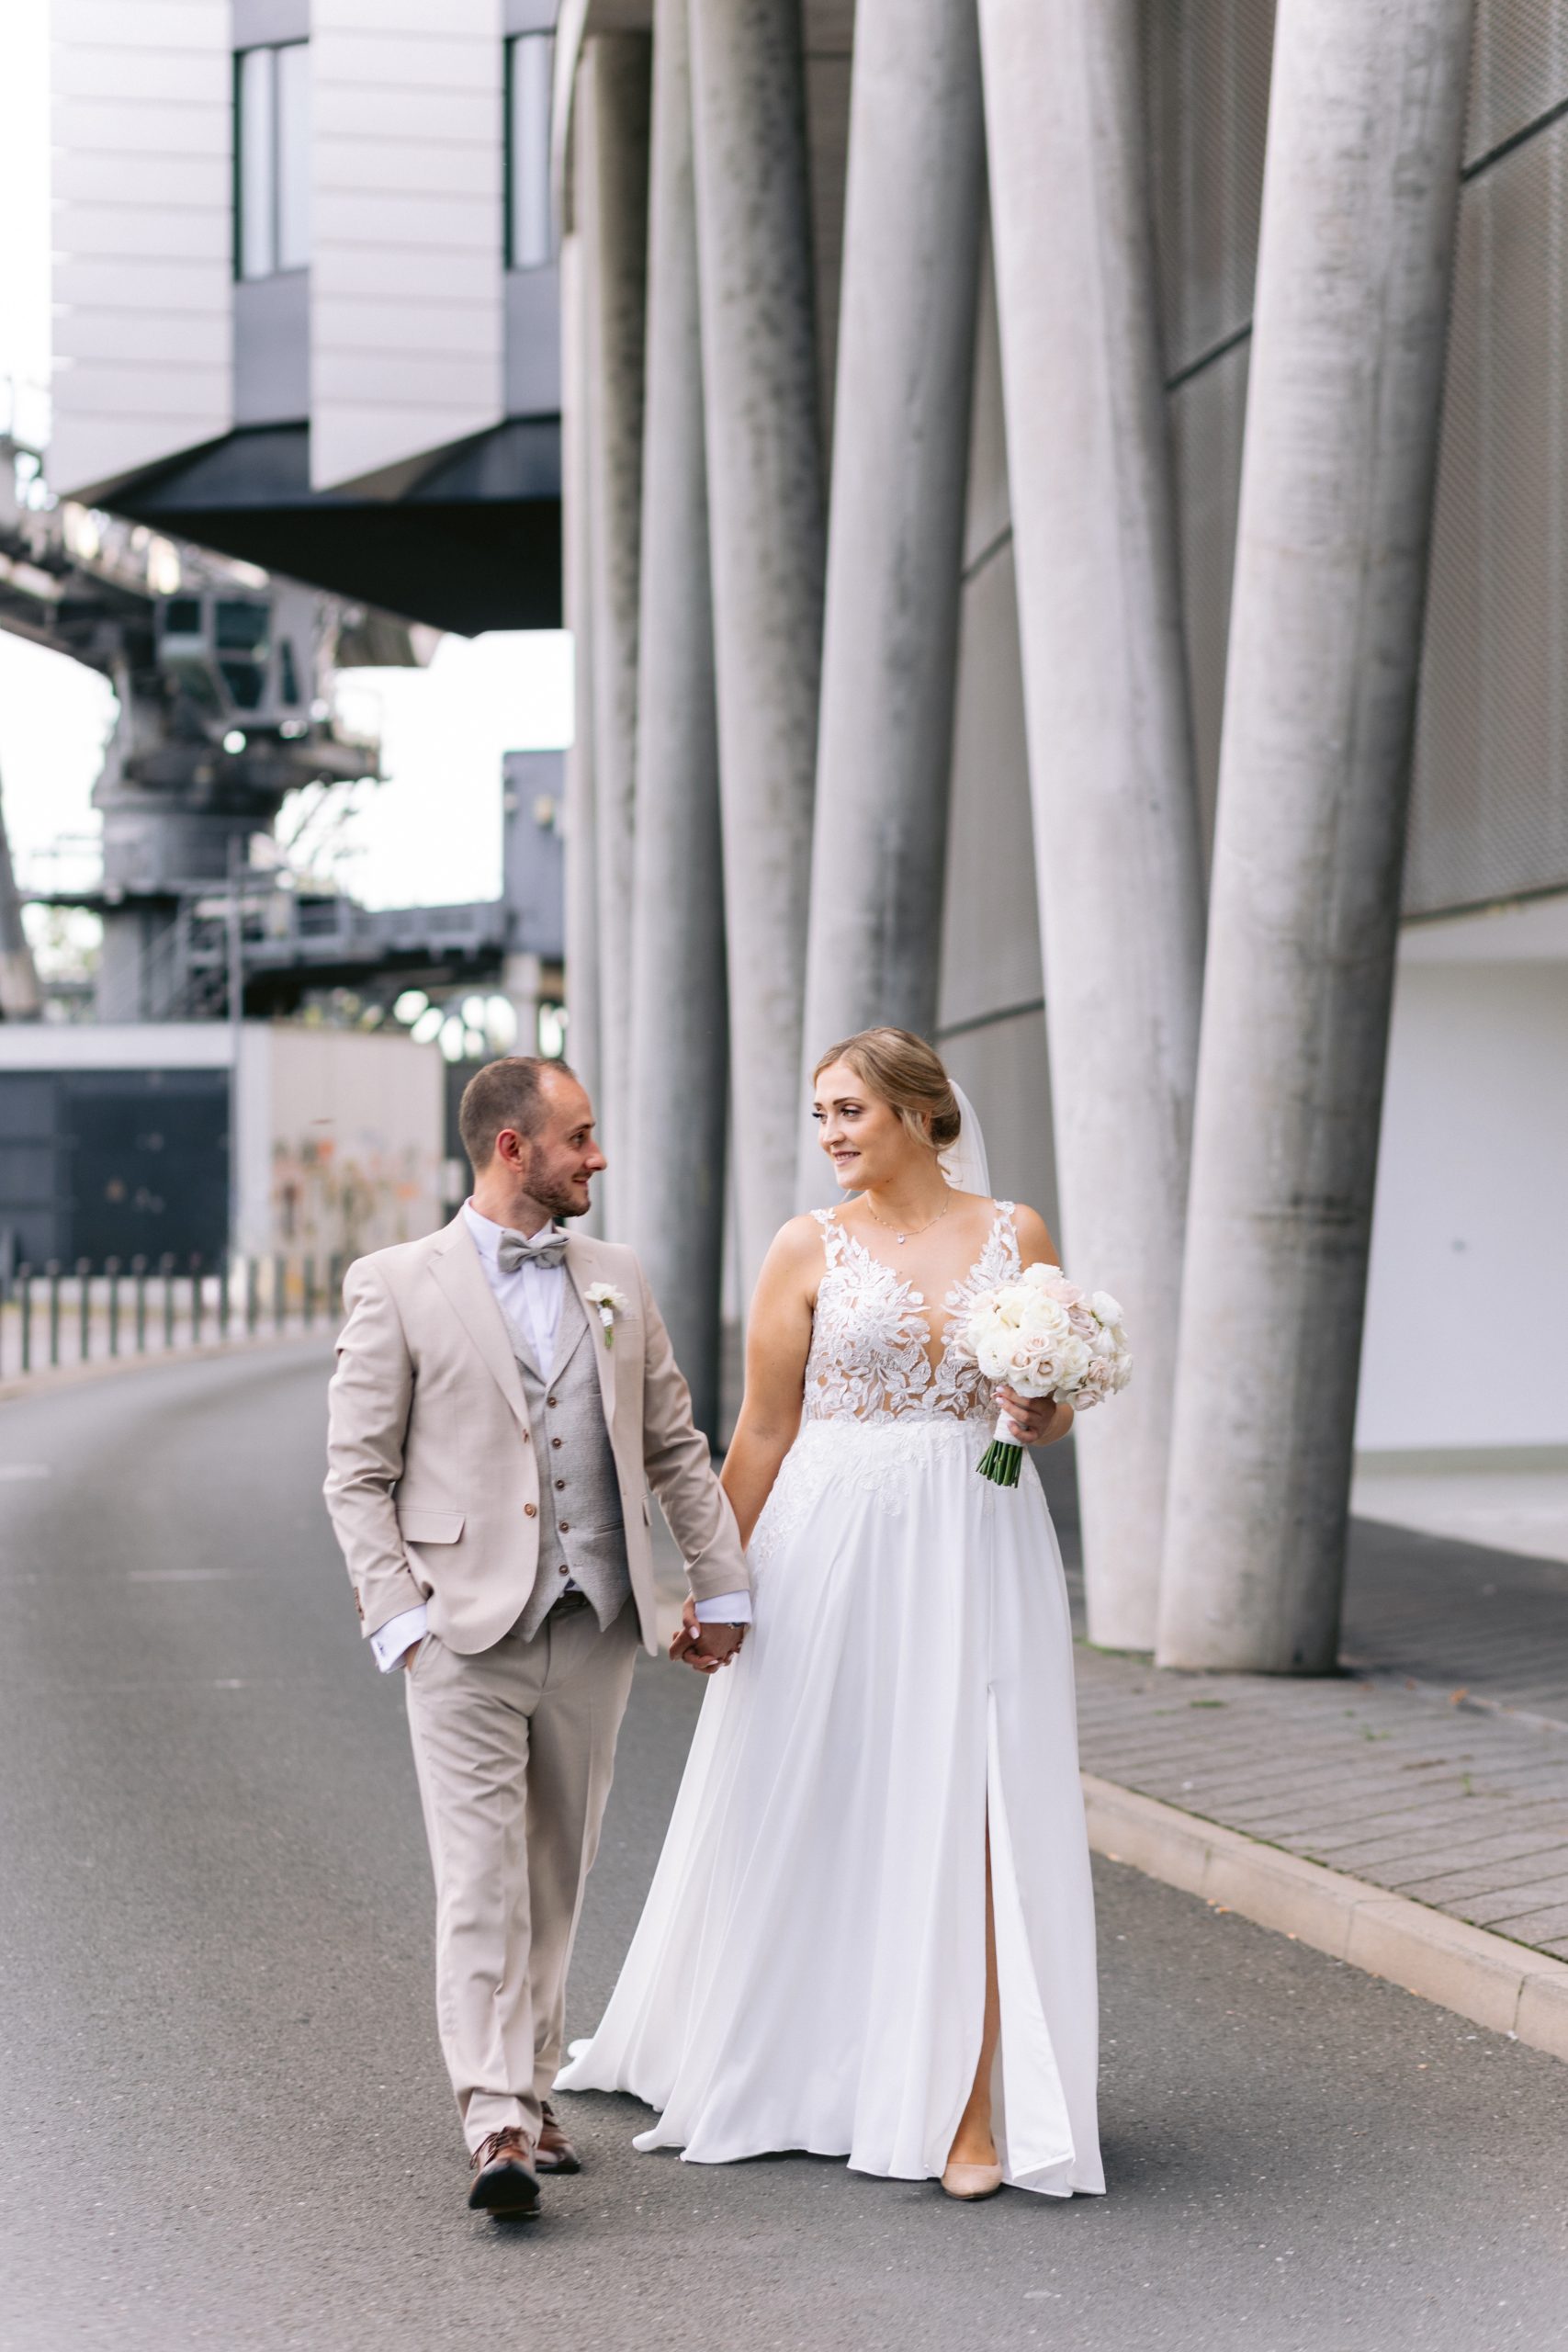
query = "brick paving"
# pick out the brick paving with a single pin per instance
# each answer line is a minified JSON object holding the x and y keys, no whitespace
{"x":1435,"y":1765}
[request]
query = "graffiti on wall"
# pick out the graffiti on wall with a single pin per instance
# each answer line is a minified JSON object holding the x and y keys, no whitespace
{"x":331,"y":1199}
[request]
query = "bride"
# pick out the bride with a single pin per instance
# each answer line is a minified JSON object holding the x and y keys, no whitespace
{"x":871,"y":1933}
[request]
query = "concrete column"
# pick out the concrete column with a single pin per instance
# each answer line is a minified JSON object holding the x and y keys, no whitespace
{"x":1360,"y":200}
{"x":581,"y":870}
{"x":611,"y":152}
{"x":895,"y":541}
{"x":679,"y":1032}
{"x":1116,"y":840}
{"x":766,"y":538}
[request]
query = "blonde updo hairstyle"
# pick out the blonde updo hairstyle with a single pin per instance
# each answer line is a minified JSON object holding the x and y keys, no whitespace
{"x":907,"y":1074}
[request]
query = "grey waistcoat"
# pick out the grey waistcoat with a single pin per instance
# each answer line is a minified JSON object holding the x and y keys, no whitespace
{"x":581,"y":1530}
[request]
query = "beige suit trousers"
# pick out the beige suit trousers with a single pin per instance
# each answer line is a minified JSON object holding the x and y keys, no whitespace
{"x":514,"y":1747}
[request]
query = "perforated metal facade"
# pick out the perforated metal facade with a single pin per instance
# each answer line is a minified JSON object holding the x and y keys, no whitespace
{"x":1489,"y":815}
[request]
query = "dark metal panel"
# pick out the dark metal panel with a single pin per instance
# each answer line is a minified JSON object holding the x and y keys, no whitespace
{"x":1520,"y":70}
{"x":1489,"y":815}
{"x":32,"y":1190}
{"x":1489,"y":818}
{"x":1206,"y":76}
{"x":1206,"y":66}
{"x":115,"y":1163}
{"x":1207,"y":414}
{"x":148,"y":1152}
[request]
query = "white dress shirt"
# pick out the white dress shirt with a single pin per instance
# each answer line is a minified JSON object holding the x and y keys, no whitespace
{"x":530,"y":1302}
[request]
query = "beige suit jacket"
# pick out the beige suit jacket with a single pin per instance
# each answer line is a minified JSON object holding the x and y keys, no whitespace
{"x":432,"y":1481}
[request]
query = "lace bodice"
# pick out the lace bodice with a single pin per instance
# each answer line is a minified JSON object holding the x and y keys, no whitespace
{"x":871,"y":1356}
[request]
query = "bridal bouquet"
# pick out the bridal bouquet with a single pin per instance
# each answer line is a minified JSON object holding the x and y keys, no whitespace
{"x":1044,"y":1337}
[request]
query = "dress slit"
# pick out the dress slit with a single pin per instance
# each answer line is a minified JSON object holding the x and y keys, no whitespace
{"x":1034,"y":2130}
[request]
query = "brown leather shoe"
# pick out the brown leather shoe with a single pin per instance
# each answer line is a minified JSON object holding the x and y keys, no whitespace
{"x":555,"y":2152}
{"x":505,"y":2180}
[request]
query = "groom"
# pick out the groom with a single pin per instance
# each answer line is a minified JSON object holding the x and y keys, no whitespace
{"x":505,"y":1393}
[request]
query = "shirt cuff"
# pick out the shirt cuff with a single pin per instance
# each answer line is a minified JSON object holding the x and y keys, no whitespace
{"x":399,"y":1633}
{"x":726,"y":1609}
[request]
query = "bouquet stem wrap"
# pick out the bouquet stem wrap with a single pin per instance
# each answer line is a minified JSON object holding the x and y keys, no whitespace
{"x":1003,"y":1458}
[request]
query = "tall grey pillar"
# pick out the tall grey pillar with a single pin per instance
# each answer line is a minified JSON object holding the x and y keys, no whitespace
{"x":1360,"y":197}
{"x":766,"y":537}
{"x":610,"y":147}
{"x":895,"y":528}
{"x":680,"y":1030}
{"x":582,"y":864}
{"x":1105,"y":702}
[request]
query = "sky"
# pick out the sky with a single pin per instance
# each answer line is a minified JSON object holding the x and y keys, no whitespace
{"x":431,"y":834}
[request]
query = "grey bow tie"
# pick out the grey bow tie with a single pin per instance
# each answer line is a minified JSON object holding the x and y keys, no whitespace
{"x":513,"y":1250}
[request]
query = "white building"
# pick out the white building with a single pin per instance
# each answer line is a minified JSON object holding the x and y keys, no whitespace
{"x":307,"y":294}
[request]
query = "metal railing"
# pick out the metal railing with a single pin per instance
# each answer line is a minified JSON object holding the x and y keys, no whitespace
{"x":53,"y":1315}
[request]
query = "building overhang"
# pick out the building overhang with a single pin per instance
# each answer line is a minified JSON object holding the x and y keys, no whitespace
{"x":469,"y":540}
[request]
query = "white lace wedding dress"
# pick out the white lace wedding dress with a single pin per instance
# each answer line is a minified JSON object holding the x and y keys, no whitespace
{"x":809,"y":1969}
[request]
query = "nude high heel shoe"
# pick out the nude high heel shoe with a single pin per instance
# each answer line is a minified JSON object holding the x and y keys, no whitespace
{"x":971,"y":2182}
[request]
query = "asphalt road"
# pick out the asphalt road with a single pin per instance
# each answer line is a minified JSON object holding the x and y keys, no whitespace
{"x":224,"y":2120}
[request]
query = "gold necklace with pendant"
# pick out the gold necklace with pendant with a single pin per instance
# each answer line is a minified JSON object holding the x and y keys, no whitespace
{"x":901,"y":1238}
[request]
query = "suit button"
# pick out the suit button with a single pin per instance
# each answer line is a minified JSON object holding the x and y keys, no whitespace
{"x":560,"y":1486}
{"x":555,"y":1441}
{"x":566,"y":1527}
{"x":550,"y":1400}
{"x":530,"y":1511}
{"x":565,"y":1571}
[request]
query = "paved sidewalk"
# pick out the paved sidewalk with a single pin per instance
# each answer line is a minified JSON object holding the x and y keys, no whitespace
{"x":1435,"y":1767}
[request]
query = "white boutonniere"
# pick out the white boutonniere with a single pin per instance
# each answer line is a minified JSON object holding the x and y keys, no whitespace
{"x":610,"y":1303}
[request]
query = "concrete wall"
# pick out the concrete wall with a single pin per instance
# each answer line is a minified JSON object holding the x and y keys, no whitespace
{"x":1467,"y":1236}
{"x":342,"y":1138}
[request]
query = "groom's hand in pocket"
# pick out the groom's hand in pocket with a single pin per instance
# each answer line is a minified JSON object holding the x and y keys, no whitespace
{"x":705,"y":1648}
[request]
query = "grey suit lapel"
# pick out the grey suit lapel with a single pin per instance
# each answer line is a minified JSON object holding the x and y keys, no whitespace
{"x":457,"y":1271}
{"x":583,"y":1266}
{"x":521,"y":1348}
{"x":572,"y":1330}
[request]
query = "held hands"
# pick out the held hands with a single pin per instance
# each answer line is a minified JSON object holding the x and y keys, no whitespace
{"x":1037,"y":1420}
{"x":705,"y":1648}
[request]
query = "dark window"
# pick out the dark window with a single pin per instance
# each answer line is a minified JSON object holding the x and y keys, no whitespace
{"x":530,"y":227}
{"x":271,"y":152}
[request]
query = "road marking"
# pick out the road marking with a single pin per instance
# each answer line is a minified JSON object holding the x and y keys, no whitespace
{"x":180,"y":1575}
